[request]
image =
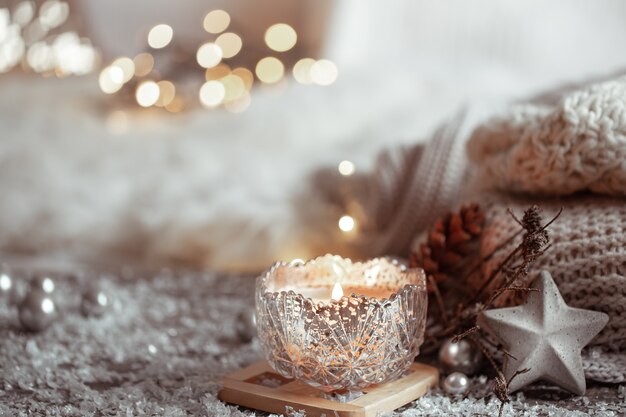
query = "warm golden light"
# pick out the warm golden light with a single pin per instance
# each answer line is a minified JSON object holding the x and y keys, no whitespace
{"x":167,"y":92}
{"x":160,"y":36}
{"x":216,"y":21}
{"x":246,"y":76}
{"x":217,"y":72}
{"x":212,"y":94}
{"x":177,"y":105}
{"x":127,"y":66}
{"x":209,"y":55}
{"x":302,"y":70}
{"x":144,"y":63}
{"x":269,"y":70}
{"x":324,"y":72}
{"x":346,"y":223}
{"x":234,"y":87}
{"x":337,"y":292}
{"x":147,"y":93}
{"x":280,"y":37}
{"x":346,"y":168}
{"x":111,"y":79}
{"x":230,"y":43}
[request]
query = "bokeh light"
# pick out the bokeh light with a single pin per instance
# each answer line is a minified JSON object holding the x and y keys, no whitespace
{"x":217,"y":72}
{"x":147,"y":93}
{"x":216,"y":21}
{"x":160,"y":36}
{"x":281,"y":37}
{"x":234,"y":87}
{"x":209,"y":55}
{"x":212,"y":93}
{"x":346,"y":168}
{"x":40,"y":57}
{"x":111,"y":79}
{"x":126,"y":65}
{"x":324,"y":72}
{"x":246,"y":76}
{"x":269,"y":70}
{"x":346,"y":223}
{"x":230,"y":44}
{"x":53,"y":13}
{"x":175,"y":106}
{"x":24,"y":13}
{"x":167,"y":92}
{"x":144,"y":63}
{"x":302,"y":70}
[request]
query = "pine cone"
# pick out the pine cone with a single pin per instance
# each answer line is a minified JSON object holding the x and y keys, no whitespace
{"x":449,"y":242}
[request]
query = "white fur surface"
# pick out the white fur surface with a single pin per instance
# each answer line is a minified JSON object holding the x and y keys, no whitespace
{"x":211,"y":188}
{"x":206,"y":187}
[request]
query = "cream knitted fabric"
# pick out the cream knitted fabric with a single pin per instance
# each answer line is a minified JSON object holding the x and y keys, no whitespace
{"x":578,"y":145}
{"x":587,"y":260}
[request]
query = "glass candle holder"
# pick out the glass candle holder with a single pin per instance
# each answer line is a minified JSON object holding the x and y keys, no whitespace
{"x":311,"y":332}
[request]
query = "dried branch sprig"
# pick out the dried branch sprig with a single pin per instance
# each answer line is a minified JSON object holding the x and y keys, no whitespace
{"x":535,"y":242}
{"x":511,"y":275}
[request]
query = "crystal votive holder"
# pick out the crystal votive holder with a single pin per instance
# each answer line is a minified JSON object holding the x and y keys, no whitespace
{"x":368,"y":336}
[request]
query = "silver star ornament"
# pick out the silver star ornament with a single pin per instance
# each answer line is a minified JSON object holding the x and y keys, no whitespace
{"x":544,"y":335}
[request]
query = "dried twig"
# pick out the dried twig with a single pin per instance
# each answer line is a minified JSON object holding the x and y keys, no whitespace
{"x":513,"y":269}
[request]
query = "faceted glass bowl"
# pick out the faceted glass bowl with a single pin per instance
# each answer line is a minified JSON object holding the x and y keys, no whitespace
{"x":349,"y":343}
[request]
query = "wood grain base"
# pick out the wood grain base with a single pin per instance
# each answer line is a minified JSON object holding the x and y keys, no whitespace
{"x":244,"y":388}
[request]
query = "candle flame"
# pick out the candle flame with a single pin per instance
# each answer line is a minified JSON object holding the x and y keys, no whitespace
{"x":337,"y":292}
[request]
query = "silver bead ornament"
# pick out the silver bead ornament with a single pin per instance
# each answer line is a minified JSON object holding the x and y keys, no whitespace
{"x":456,"y":383}
{"x":12,"y":290}
{"x":43,"y":283}
{"x":6,"y":285}
{"x":95,"y":302}
{"x":245,"y":326}
{"x":463,"y":356}
{"x":37,"y":311}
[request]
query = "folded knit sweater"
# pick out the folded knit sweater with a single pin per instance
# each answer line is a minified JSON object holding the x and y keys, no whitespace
{"x":569,"y":154}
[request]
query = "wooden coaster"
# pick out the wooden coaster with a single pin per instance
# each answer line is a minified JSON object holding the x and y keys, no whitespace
{"x":244,"y":388}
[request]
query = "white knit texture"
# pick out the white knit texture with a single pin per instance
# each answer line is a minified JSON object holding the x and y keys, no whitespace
{"x":578,"y":145}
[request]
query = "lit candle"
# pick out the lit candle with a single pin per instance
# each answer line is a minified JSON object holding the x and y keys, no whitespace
{"x":335,"y":324}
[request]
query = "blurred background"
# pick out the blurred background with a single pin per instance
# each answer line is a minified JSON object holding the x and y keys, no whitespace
{"x":171,"y":133}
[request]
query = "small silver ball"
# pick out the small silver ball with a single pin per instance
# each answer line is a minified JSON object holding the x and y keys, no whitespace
{"x":37,"y":311}
{"x":463,"y":356}
{"x":6,"y":285}
{"x":245,"y":326}
{"x":95,"y":302}
{"x":43,"y":283}
{"x":456,"y":383}
{"x":12,"y":290}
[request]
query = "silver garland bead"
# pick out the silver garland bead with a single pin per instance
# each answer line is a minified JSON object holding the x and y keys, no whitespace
{"x":6,"y":285}
{"x":463,"y":356}
{"x":245,"y":326}
{"x":456,"y":383}
{"x":94,"y":302}
{"x":43,"y":283}
{"x":12,"y":290}
{"x":37,"y":310}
